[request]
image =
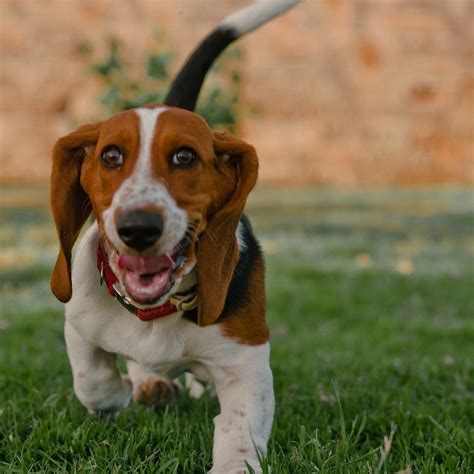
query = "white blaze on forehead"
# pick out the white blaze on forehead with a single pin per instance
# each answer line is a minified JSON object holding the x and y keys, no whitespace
{"x":142,"y":189}
{"x":148,"y":119}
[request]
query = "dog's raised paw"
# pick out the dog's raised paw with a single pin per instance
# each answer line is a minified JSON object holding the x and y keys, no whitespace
{"x":155,"y":391}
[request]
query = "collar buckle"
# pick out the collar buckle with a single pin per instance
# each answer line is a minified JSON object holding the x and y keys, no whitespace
{"x":185,"y":302}
{"x":123,"y":296}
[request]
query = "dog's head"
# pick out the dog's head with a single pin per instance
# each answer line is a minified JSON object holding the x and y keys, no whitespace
{"x":167,"y":194}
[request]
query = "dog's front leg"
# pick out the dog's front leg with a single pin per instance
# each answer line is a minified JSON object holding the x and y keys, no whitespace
{"x":98,"y":383}
{"x":244,"y":386}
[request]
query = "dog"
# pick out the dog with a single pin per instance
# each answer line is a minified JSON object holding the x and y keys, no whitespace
{"x":169,"y":275}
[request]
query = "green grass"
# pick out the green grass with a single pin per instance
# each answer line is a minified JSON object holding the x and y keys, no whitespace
{"x":371,"y":310}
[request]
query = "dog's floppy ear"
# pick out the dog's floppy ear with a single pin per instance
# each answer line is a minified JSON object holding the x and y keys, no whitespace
{"x":69,"y":202}
{"x":218,"y":249}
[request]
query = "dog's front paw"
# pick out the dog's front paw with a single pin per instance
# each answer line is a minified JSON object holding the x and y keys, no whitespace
{"x":109,"y":402}
{"x":155,"y":391}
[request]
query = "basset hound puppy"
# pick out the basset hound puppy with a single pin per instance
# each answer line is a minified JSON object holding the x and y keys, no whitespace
{"x":169,"y":275}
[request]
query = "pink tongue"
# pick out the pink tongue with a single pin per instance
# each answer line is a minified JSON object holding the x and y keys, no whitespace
{"x":146,"y":265}
{"x":146,"y":278}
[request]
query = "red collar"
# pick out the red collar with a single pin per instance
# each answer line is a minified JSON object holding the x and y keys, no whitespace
{"x":108,"y":276}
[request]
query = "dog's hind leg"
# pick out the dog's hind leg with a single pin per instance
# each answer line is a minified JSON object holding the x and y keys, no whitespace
{"x":150,"y":388}
{"x":195,"y":388}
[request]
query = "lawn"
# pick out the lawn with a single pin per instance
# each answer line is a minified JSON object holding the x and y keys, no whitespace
{"x":370,"y":304}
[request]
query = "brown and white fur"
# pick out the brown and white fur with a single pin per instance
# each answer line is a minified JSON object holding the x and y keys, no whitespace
{"x":199,"y":204}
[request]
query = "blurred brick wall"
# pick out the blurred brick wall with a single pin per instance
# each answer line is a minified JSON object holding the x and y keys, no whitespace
{"x":349,"y":92}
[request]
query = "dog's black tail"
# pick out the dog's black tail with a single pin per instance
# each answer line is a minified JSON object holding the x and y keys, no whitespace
{"x":185,"y":89}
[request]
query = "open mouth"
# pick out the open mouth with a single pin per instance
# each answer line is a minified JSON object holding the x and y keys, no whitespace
{"x":147,"y":278}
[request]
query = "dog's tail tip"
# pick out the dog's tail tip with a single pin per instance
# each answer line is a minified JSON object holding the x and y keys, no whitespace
{"x":253,"y":16}
{"x":185,"y":88}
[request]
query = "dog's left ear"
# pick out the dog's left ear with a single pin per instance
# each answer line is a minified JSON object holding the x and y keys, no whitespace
{"x":69,"y":202}
{"x":218,"y":251}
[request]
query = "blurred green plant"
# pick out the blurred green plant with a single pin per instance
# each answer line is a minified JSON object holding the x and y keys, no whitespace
{"x":220,"y":100}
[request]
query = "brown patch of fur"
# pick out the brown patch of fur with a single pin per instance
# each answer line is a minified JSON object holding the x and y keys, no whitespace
{"x":248,"y":324}
{"x":69,"y":202}
{"x":218,"y":249}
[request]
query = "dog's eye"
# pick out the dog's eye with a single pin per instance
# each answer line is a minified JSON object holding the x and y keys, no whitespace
{"x":112,"y":156}
{"x":184,"y":157}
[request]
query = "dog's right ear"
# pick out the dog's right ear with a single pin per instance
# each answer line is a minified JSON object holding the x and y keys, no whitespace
{"x":69,"y":202}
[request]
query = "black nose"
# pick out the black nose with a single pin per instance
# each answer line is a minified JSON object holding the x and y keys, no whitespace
{"x":139,"y":229}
